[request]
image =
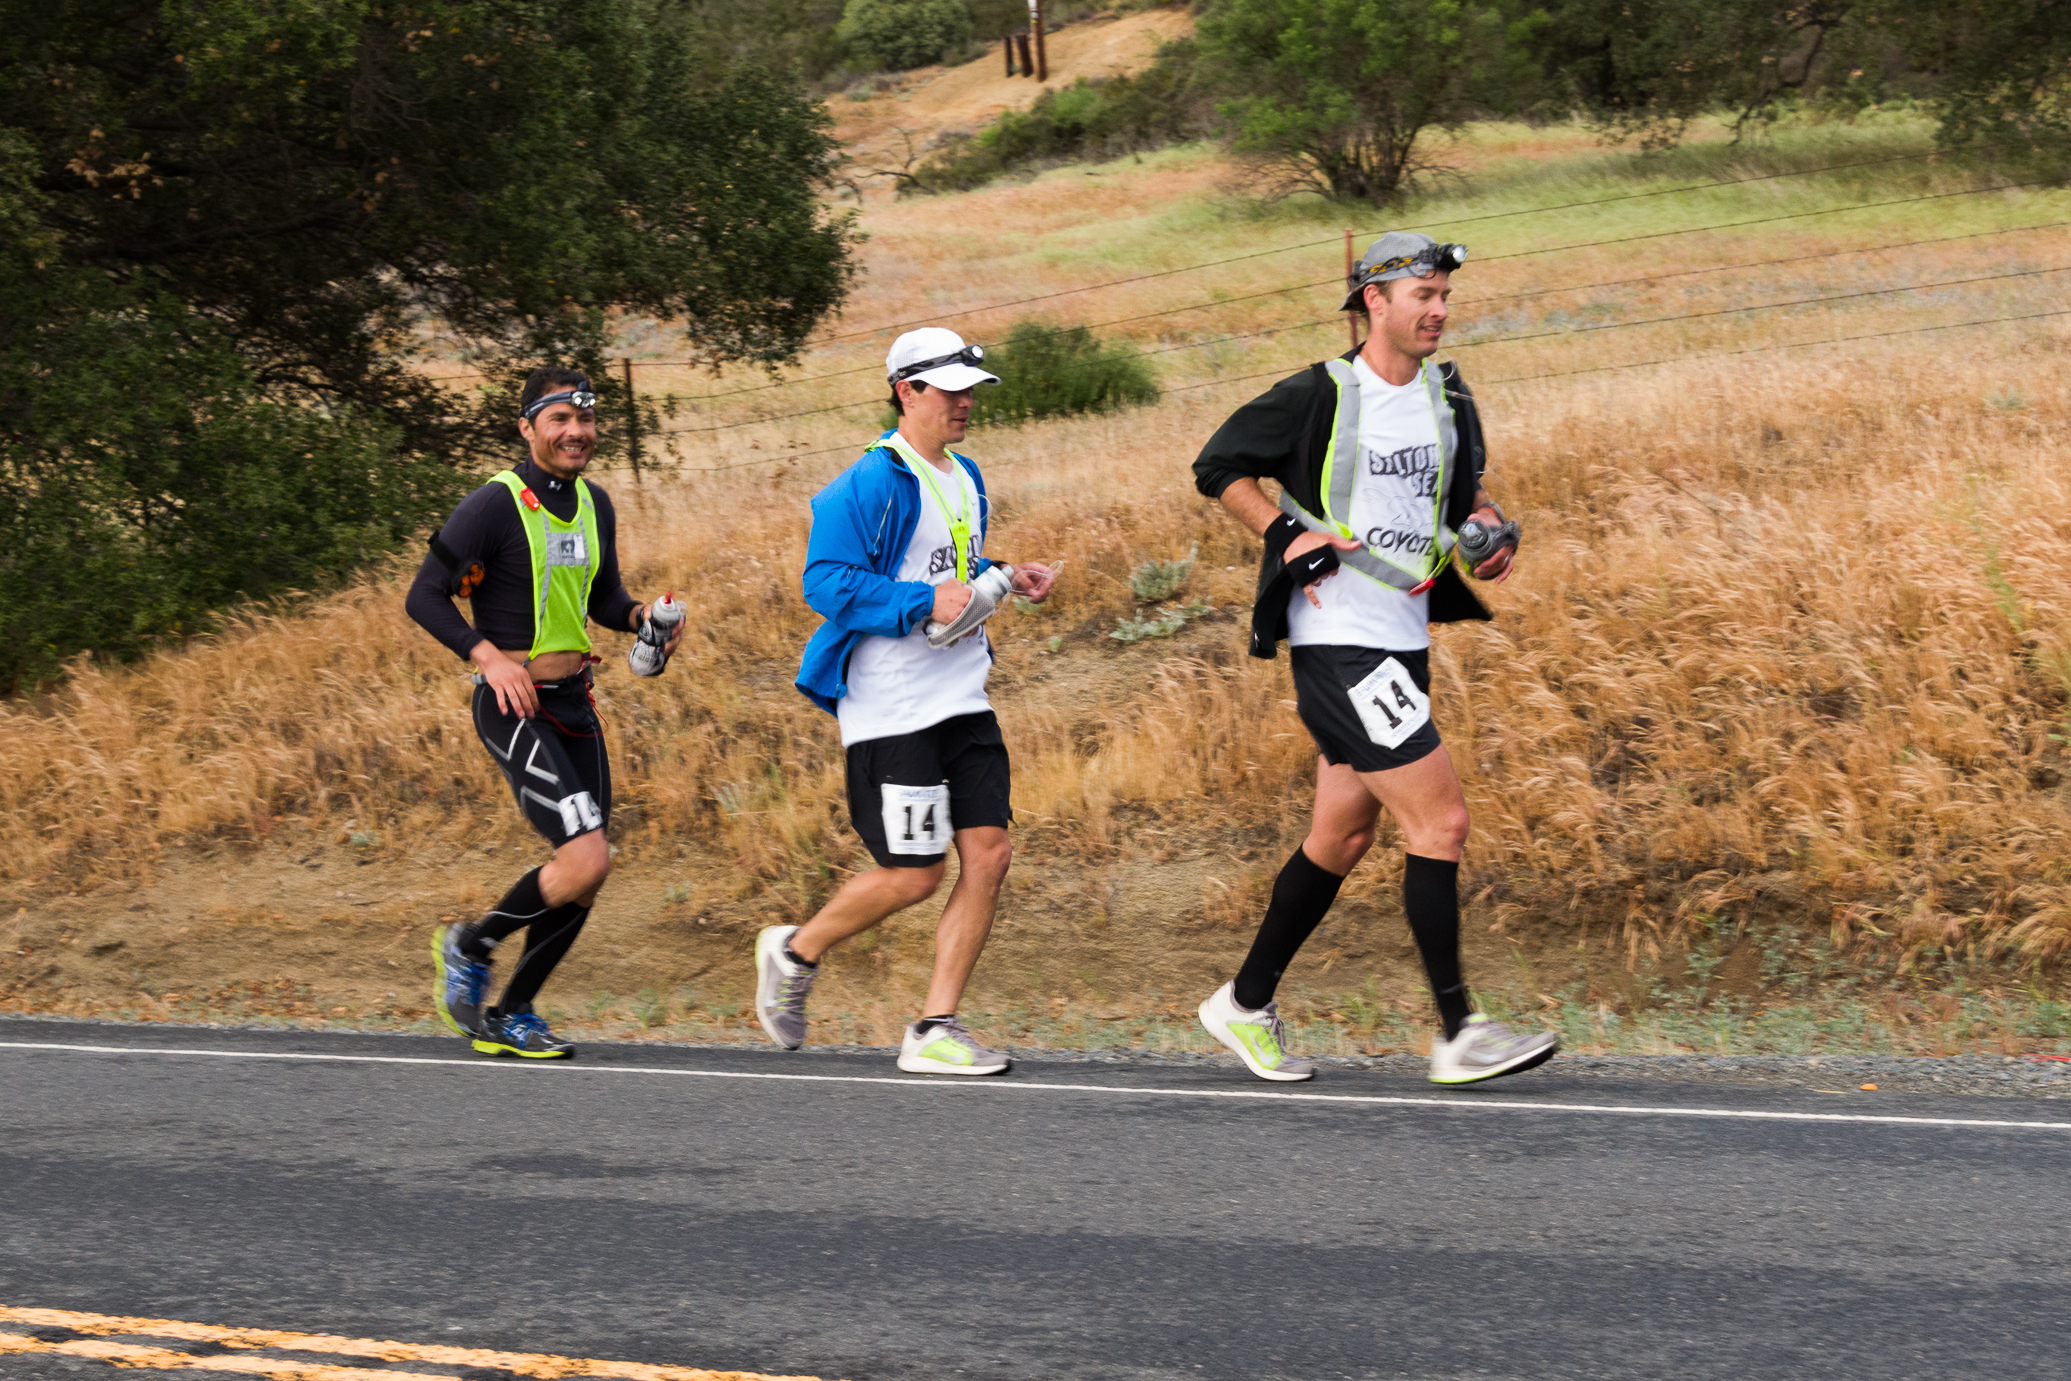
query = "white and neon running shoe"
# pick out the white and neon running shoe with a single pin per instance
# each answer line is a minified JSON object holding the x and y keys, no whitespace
{"x":781,"y":987}
{"x":948,"y":1048}
{"x":1258,"y":1038}
{"x":1487,"y":1049}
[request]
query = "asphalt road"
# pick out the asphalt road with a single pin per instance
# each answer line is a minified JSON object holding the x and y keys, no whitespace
{"x":838,"y":1227}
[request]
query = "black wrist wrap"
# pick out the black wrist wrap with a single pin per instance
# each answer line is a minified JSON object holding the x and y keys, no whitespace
{"x":1311,"y":566}
{"x":1283,"y":531}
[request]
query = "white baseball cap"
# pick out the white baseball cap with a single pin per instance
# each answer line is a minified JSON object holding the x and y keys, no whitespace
{"x":937,"y":355}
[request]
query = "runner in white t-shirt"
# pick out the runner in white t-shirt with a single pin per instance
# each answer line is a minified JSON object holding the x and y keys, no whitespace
{"x":1358,"y":565}
{"x":897,"y":550}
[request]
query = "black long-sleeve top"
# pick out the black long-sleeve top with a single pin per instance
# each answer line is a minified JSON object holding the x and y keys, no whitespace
{"x":487,"y":535}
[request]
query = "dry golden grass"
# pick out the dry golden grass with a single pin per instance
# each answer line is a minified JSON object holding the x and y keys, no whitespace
{"x":1789,"y":638}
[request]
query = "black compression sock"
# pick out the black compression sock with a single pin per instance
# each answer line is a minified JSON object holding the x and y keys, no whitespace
{"x":1431,"y":901}
{"x":795,"y":957}
{"x":927,"y":1024}
{"x":1302,"y":894}
{"x":545,"y":943}
{"x":520,"y":907}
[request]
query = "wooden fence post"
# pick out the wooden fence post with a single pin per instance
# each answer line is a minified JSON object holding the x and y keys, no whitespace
{"x":632,"y":418}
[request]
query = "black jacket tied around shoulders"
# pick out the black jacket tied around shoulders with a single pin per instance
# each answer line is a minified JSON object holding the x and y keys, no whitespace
{"x":1283,"y":435}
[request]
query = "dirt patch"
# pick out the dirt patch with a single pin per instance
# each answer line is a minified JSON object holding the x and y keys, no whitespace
{"x":326,"y":930}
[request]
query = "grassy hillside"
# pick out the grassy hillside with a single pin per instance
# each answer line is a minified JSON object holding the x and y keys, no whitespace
{"x":1765,"y":748}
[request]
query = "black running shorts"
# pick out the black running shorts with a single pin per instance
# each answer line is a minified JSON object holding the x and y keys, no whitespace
{"x":554,"y":761}
{"x":1365,"y":706}
{"x":905,"y":790}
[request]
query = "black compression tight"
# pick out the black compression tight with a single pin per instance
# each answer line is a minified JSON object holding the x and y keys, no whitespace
{"x":546,"y":941}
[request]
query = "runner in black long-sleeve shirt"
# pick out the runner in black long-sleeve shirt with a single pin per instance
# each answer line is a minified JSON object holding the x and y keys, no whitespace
{"x":535,"y":551}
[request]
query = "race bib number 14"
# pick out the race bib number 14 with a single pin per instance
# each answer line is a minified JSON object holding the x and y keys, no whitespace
{"x":916,"y":819}
{"x":1389,"y":704}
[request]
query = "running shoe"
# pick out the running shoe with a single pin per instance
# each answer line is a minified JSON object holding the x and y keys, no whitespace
{"x":948,"y":1047}
{"x":523,"y":1034}
{"x":457,"y":982}
{"x":781,"y":986}
{"x":1487,"y":1049}
{"x":1258,"y":1038}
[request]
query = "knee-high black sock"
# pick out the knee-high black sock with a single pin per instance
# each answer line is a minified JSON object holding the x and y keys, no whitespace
{"x":1301,"y":895}
{"x":545,"y":943}
{"x":520,"y":907}
{"x":1431,"y":901}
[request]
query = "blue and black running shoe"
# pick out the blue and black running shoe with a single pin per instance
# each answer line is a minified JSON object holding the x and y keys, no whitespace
{"x":523,"y":1034}
{"x":458,"y":981}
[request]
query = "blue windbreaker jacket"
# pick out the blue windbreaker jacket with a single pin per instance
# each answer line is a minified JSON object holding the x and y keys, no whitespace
{"x":862,"y":522}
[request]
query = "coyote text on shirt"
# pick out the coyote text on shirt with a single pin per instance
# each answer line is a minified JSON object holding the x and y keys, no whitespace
{"x":1392,"y":504}
{"x":900,"y":685}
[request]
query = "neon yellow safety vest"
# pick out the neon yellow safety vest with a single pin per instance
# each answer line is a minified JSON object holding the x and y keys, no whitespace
{"x":564,"y":566}
{"x":1341,"y":468}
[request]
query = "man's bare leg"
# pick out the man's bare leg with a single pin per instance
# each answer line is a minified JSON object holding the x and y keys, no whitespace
{"x":982,"y":854}
{"x":865,"y":900}
{"x":1425,"y":799}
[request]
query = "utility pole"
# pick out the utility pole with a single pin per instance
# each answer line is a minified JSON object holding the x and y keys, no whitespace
{"x":1035,"y":24}
{"x":632,"y":418}
{"x":1351,"y":318}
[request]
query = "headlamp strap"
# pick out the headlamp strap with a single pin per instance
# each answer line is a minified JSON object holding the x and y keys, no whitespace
{"x":972,"y":355}
{"x":580,"y":397}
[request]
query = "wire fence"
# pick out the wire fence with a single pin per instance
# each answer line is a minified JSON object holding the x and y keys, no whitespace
{"x":1285,"y":328}
{"x":1313,"y":244}
{"x":1737,"y":309}
{"x":785,"y":457}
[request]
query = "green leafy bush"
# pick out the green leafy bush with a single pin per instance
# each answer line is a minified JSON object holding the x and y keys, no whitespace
{"x":1088,"y":119}
{"x":898,"y":34}
{"x":1047,"y":371}
{"x":221,"y":249}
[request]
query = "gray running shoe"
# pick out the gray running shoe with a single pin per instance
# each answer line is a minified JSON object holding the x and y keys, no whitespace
{"x":948,"y":1048}
{"x":781,"y":987}
{"x":1487,"y":1049}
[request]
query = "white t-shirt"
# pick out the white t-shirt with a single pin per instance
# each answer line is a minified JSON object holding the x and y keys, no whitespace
{"x":901,"y":685}
{"x":1392,"y":498}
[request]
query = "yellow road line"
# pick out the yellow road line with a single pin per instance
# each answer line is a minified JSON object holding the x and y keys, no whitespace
{"x":535,"y":1364}
{"x":129,"y":1355}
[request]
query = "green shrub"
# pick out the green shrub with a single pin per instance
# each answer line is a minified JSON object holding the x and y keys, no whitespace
{"x":1088,"y":119}
{"x":898,"y":34}
{"x":1046,"y":371}
{"x":1155,"y":580}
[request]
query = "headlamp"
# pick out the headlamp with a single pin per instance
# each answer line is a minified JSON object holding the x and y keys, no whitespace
{"x":580,"y":397}
{"x":972,"y":355}
{"x":1425,"y":262}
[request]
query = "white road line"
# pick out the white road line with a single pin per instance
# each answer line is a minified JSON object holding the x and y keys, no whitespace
{"x":1457,"y":1103}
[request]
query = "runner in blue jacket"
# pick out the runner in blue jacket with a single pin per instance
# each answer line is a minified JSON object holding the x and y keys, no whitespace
{"x":896,"y":566}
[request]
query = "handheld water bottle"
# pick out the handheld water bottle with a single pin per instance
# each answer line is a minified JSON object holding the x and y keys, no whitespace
{"x":648,"y":657}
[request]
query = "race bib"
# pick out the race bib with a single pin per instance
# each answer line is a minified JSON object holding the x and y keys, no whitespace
{"x":1390,"y":705}
{"x":579,"y":813}
{"x":916,"y":819}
